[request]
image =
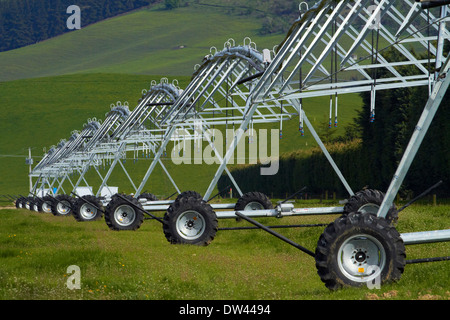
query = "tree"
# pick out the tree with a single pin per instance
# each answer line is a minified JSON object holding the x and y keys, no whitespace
{"x":172,"y":4}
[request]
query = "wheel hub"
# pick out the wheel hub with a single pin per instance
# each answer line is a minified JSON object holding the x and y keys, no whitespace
{"x":125,"y":215}
{"x":46,"y":207}
{"x":190,"y":225}
{"x":88,"y":212}
{"x":63,"y":207}
{"x":359,"y":255}
{"x":254,"y":206}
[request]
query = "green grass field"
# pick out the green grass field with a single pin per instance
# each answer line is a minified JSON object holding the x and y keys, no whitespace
{"x":36,"y":249}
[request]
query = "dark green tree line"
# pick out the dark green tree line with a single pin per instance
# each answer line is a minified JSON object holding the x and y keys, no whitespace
{"x":24,"y":22}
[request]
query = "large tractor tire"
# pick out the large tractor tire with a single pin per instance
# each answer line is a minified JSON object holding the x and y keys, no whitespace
{"x":62,"y":205}
{"x":253,"y":201}
{"x":148,"y":196}
{"x":187,"y":194}
{"x":359,"y":249}
{"x":36,"y":205}
{"x":190,"y":220}
{"x":370,"y":201}
{"x":27,"y":204}
{"x":20,"y":203}
{"x":47,"y":203}
{"x":121,"y":214}
{"x":88,"y":208}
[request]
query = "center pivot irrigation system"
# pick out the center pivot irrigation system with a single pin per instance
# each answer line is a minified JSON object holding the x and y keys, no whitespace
{"x":333,"y":48}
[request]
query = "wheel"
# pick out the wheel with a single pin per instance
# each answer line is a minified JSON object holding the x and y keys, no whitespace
{"x":190,"y":220}
{"x":357,"y":249}
{"x":47,"y":203}
{"x":62,"y":205}
{"x":253,"y":201}
{"x":186,"y":194}
{"x":37,"y":204}
{"x":87,"y":208}
{"x":370,"y":201}
{"x":31,"y":204}
{"x":123,"y":215}
{"x":19,"y":202}
{"x":28,"y":203}
{"x":148,"y":196}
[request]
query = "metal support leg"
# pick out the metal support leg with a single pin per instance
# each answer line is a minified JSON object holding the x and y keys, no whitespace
{"x":85,"y":169}
{"x":99,"y":191}
{"x":421,"y":129}
{"x":128,"y":176}
{"x":169,"y":176}
{"x":237,"y":137}
{"x":221,"y":160}
{"x":108,"y":174}
{"x":327,"y":154}
{"x":158,"y":155}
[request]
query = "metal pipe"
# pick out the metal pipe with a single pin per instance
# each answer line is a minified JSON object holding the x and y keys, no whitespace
{"x":279,"y":236}
{"x":426,"y":237}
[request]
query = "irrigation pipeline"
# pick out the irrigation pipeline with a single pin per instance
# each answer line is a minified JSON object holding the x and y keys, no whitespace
{"x":276,"y":227}
{"x":279,"y":236}
{"x":301,"y":248}
{"x":424,"y":260}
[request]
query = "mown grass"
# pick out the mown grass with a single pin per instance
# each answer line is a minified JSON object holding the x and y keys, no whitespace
{"x":36,"y":249}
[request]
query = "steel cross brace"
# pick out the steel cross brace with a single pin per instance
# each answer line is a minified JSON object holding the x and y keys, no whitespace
{"x":440,"y":88}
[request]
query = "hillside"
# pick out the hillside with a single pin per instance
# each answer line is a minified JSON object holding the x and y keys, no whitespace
{"x":147,"y":41}
{"x":25,"y":22}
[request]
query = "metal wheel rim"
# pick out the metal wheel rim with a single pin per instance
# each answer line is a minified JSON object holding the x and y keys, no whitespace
{"x":63,"y":207}
{"x":253,"y":205}
{"x":369,"y":208}
{"x":46,"y":207}
{"x":88,"y":212}
{"x":124,"y":215}
{"x":190,"y":225}
{"x":35,"y":208}
{"x":361,"y":258}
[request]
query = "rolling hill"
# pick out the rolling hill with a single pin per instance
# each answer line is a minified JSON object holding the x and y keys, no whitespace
{"x":147,"y":41}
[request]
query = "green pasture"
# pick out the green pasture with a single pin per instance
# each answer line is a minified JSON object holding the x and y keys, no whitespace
{"x":36,"y":249}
